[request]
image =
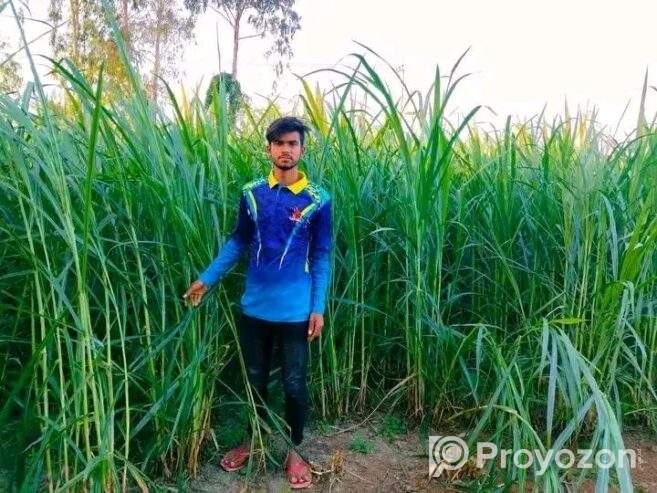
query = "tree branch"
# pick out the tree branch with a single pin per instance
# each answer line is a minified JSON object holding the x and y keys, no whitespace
{"x":257,"y":35}
{"x":222,"y":14}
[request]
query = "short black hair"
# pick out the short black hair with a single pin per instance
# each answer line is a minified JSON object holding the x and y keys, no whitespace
{"x":284,"y":125}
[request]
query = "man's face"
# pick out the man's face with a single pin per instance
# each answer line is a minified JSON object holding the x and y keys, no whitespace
{"x":286,"y":151}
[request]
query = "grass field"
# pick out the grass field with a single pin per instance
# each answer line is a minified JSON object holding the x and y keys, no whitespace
{"x":500,"y":282}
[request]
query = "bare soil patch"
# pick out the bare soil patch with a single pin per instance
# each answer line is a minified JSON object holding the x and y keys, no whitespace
{"x":363,"y":459}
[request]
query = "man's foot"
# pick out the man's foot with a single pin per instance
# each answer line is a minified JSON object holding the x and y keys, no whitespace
{"x":236,"y":458}
{"x":299,"y":474}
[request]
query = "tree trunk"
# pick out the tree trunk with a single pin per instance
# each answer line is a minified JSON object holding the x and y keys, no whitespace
{"x":236,"y":41}
{"x":125,"y":28}
{"x":75,"y":30}
{"x":158,"y":42}
{"x":124,"y":17}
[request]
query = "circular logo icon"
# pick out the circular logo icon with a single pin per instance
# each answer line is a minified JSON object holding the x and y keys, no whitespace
{"x":449,"y":453}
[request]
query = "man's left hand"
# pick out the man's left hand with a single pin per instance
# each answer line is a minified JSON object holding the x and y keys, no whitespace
{"x":315,"y":326}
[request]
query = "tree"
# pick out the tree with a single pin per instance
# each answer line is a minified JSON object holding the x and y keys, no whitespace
{"x":232,"y":92}
{"x":162,"y":28}
{"x":86,"y":39}
{"x":154,"y":32}
{"x":275,"y":19}
{"x":10,"y":78}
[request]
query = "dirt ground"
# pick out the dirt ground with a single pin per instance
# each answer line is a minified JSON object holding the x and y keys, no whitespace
{"x":355,"y":460}
{"x":361,"y":459}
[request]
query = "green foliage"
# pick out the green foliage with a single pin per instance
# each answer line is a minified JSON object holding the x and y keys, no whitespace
{"x":504,"y":282}
{"x":392,"y":427}
{"x":10,"y":69}
{"x":154,"y":32}
{"x":360,"y":444}
{"x":321,"y":426}
{"x":162,"y":29}
{"x":85,"y":39}
{"x":10,"y":77}
{"x":275,"y":19}
{"x":231,"y":435}
{"x":224,"y":84}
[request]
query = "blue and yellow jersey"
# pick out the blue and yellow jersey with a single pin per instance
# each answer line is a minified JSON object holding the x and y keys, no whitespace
{"x":287,"y":231}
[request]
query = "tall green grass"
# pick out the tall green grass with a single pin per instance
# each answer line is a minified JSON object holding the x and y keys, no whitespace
{"x":502,"y":282}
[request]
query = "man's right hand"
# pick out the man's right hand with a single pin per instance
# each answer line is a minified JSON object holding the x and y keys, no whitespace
{"x":195,"y":292}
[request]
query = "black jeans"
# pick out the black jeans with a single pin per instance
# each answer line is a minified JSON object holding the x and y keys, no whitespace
{"x":257,"y":339}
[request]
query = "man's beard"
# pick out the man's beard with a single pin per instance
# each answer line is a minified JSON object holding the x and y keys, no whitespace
{"x":286,"y":167}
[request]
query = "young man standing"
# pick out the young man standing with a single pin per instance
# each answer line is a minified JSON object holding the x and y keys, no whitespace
{"x":284,"y":221}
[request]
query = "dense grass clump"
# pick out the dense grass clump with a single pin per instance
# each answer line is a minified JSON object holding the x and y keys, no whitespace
{"x":500,"y":281}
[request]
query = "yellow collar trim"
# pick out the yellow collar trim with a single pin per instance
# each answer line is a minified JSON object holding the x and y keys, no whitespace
{"x":295,"y":188}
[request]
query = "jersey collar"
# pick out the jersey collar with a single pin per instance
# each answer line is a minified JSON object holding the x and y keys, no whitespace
{"x":295,"y":188}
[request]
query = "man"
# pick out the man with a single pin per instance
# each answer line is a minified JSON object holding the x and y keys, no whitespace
{"x":285,"y":223}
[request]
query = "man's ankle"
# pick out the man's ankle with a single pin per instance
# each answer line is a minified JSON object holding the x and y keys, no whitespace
{"x":293,"y":453}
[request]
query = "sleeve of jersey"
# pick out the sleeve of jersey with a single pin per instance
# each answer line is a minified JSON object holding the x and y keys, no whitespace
{"x":232,"y":251}
{"x":320,"y":249}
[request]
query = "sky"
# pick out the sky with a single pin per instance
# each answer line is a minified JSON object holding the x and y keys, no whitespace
{"x":523,"y":54}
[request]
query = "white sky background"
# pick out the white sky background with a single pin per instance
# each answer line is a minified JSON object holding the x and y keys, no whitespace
{"x":524,"y":53}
